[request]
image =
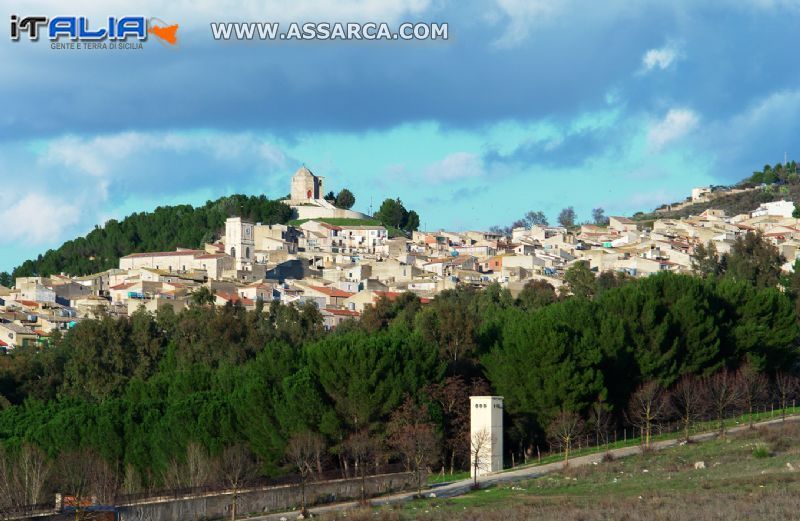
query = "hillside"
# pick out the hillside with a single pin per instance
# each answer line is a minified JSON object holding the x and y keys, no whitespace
{"x":164,"y":229}
{"x":748,"y":475}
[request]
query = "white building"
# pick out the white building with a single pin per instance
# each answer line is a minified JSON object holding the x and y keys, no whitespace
{"x":486,"y":434}
{"x":777,"y":208}
{"x":239,"y":242}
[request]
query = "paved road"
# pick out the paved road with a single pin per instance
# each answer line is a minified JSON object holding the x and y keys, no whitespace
{"x":461,"y":487}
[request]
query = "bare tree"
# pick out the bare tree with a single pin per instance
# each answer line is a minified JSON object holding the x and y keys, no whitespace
{"x":724,"y":395}
{"x":564,"y":430}
{"x":237,"y":465}
{"x":362,"y":448}
{"x":304,"y":452}
{"x":23,"y":475}
{"x":480,"y":453}
{"x":755,"y":389}
{"x":688,"y":400}
{"x":195,"y":470}
{"x":786,"y":386}
{"x":413,"y":436}
{"x":599,"y":421}
{"x":646,"y":408}
{"x":86,"y":478}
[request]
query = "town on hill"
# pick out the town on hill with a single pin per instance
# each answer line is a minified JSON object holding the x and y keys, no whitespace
{"x":342,"y":260}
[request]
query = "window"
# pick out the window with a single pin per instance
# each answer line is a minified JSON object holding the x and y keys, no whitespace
{"x":247,"y":252}
{"x":233,"y":252}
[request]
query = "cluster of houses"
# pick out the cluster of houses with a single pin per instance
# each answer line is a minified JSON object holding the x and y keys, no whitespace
{"x":343,"y":268}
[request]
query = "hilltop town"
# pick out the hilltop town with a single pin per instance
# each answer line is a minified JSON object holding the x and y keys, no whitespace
{"x":342,"y":261}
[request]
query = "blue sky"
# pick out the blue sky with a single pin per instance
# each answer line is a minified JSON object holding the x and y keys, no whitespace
{"x":530,"y":105}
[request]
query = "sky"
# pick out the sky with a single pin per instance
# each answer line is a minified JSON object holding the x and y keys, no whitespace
{"x":529,"y":105}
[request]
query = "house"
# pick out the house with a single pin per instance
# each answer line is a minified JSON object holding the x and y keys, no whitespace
{"x":622,"y":224}
{"x":332,"y":317}
{"x":777,"y":208}
{"x":14,"y":335}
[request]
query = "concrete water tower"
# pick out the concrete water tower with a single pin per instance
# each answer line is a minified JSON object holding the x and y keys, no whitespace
{"x":486,"y":434}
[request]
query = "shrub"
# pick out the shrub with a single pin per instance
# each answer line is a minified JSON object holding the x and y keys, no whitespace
{"x":761,"y":451}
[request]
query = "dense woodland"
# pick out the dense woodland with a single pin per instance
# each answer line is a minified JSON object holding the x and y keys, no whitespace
{"x":164,"y":229}
{"x":147,"y":398}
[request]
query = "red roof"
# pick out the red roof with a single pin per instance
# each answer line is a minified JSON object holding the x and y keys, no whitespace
{"x":29,"y":303}
{"x":3,"y":344}
{"x":332,"y":292}
{"x":229,"y":297}
{"x":391,"y":295}
{"x":124,"y":285}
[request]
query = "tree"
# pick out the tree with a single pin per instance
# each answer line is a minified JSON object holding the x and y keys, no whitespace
{"x":202,"y":296}
{"x":566,"y":217}
{"x":237,"y":465}
{"x":724,"y":395}
{"x":23,"y":475}
{"x":565,"y":428}
{"x":599,"y":421}
{"x":754,"y":386}
{"x":412,"y":435}
{"x":330,"y":197}
{"x":646,"y":409}
{"x":304,"y":452}
{"x":362,"y":447}
{"x":688,"y":400}
{"x":786,"y":386}
{"x":345,"y":199}
{"x":537,"y":218}
{"x":480,"y":453}
{"x":6,"y":279}
{"x":705,"y":261}
{"x":412,"y":222}
{"x":580,"y":280}
{"x":599,"y":217}
{"x":392,"y":213}
{"x":755,"y":260}
{"x":536,"y":294}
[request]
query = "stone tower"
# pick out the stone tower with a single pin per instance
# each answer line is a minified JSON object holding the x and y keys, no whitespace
{"x":239,"y":242}
{"x":486,"y":434}
{"x":306,"y":186}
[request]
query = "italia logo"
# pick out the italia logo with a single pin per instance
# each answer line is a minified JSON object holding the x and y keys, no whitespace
{"x":80,"y":29}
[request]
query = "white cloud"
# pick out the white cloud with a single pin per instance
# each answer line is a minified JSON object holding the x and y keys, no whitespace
{"x":459,"y":165}
{"x":660,"y":58}
{"x":676,"y":124}
{"x":201,"y":12}
{"x":37,"y":218}
{"x":523,"y":15}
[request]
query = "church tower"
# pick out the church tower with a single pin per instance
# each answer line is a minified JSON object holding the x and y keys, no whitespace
{"x":239,"y":242}
{"x":306,"y":186}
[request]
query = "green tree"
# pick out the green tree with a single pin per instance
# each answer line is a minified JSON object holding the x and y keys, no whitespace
{"x":537,"y":218}
{"x":705,"y":261}
{"x":755,"y":260}
{"x":599,"y":217}
{"x":580,"y":280}
{"x":345,"y":199}
{"x":567,"y":217}
{"x":412,"y":222}
{"x":392,"y":213}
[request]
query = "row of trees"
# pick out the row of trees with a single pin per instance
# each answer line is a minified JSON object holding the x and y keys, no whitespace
{"x":393,"y":213}
{"x":566,"y":218}
{"x":716,"y":398}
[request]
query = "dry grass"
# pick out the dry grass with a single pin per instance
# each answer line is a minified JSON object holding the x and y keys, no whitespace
{"x":735,"y":485}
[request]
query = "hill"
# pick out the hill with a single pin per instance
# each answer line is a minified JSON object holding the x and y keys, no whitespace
{"x":748,"y":475}
{"x":164,"y":229}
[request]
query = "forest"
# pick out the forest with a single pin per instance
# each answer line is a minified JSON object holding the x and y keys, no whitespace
{"x":159,"y":401}
{"x":164,"y":229}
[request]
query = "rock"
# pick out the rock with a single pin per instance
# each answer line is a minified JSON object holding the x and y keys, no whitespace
{"x":432,"y":494}
{"x":645,"y":470}
{"x":283,"y":518}
{"x":699,"y":465}
{"x":790,"y":466}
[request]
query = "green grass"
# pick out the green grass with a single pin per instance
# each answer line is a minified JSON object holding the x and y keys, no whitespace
{"x":447,"y":478}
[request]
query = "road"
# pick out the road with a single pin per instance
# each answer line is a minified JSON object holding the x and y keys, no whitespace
{"x":461,"y":487}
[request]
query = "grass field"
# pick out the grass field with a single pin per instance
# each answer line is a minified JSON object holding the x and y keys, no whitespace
{"x":749,"y":475}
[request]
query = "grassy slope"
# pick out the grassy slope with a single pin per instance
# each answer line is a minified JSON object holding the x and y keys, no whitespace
{"x":736,"y":484}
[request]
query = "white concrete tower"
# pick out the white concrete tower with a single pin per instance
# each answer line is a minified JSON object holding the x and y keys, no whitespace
{"x":239,"y":242}
{"x":486,"y":434}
